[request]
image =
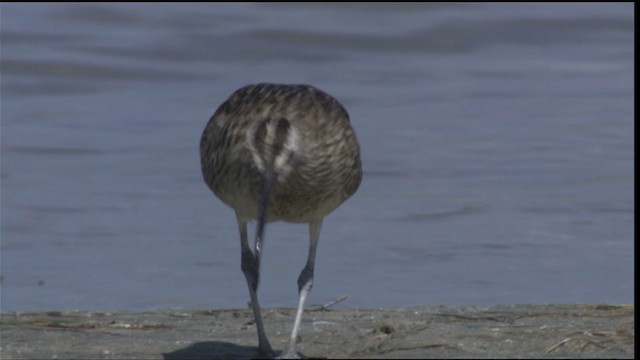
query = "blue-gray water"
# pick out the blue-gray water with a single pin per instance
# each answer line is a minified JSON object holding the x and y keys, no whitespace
{"x":497,"y":143}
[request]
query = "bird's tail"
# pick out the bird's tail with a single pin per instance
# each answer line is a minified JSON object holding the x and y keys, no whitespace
{"x":273,"y":143}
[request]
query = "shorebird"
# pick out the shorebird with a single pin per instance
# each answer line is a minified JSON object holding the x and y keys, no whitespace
{"x":276,"y":152}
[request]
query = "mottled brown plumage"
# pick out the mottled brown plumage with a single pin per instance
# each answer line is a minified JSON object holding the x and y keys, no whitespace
{"x":280,"y":152}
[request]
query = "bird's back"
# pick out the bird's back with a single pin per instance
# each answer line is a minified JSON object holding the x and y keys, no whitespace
{"x":300,"y":133}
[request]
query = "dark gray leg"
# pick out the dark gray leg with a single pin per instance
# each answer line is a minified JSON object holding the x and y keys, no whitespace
{"x":251,"y":270}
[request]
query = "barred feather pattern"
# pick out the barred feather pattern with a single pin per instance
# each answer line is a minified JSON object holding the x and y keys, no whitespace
{"x":300,"y":133}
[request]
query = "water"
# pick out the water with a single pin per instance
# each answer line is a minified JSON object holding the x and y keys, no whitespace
{"x":497,"y":143}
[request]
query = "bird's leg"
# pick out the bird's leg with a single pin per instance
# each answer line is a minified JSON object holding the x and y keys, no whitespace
{"x":251,"y":260}
{"x":251,"y":270}
{"x":305,"y":283}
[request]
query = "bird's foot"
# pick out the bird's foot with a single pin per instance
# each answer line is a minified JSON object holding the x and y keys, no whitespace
{"x":265,"y":352}
{"x":289,"y":354}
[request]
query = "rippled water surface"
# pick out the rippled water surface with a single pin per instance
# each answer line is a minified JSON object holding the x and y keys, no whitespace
{"x":497,"y":142}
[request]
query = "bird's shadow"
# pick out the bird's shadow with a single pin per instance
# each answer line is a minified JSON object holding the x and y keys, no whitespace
{"x":213,"y":350}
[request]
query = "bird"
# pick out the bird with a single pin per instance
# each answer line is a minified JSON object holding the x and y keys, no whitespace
{"x":280,"y":152}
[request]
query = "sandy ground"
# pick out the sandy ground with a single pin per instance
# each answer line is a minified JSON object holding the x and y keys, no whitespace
{"x":518,"y":331}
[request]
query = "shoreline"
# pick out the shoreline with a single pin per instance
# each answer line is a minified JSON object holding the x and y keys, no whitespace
{"x":521,"y":331}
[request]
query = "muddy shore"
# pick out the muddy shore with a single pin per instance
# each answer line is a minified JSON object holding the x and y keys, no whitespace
{"x":517,"y":331}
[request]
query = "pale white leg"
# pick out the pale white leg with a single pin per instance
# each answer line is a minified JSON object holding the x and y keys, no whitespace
{"x":305,"y":283}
